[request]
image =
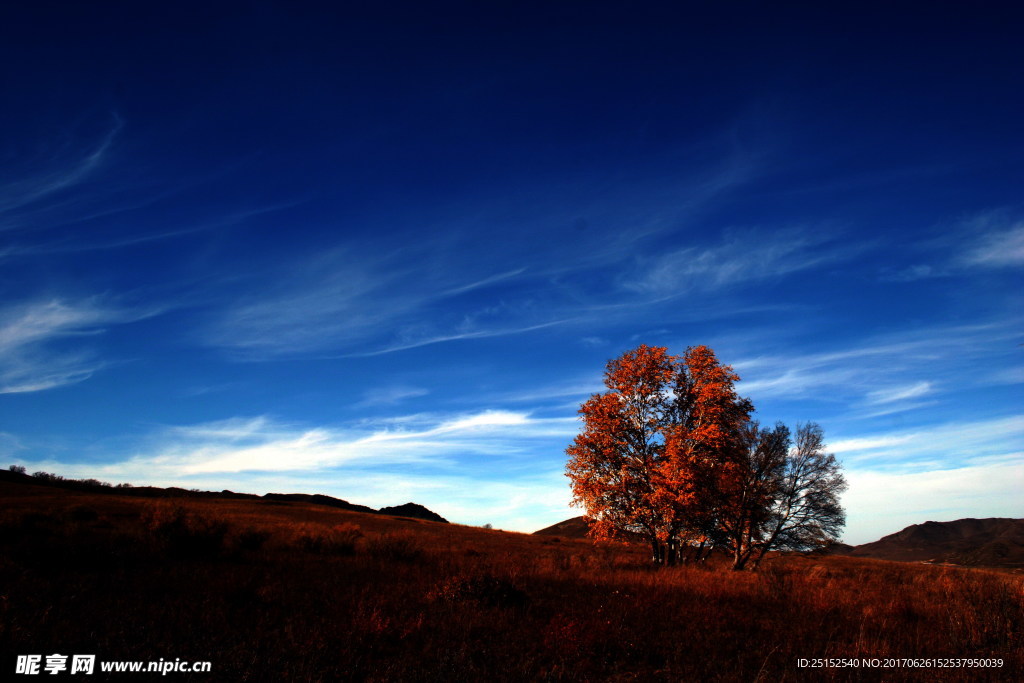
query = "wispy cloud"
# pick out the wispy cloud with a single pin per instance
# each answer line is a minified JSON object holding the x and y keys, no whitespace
{"x":472,"y":467}
{"x":867,"y":444}
{"x":32,"y":189}
{"x":882,"y":370}
{"x":418,"y":342}
{"x":390,"y":395}
{"x":227,"y":219}
{"x":594,"y":342}
{"x":42,"y":320}
{"x":24,"y":373}
{"x":358,"y":304}
{"x":739,"y":258}
{"x":952,"y":444}
{"x":900,"y":393}
{"x":998,"y":248}
{"x":28,"y":331}
{"x":260,"y":444}
{"x":371,"y":296}
{"x":990,"y":240}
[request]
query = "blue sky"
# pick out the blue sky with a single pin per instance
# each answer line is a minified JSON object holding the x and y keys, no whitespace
{"x":384,"y":252}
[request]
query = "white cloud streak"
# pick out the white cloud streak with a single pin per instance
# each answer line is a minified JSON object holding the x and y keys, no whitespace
{"x":24,"y":192}
{"x":999,"y":249}
{"x":246,"y":445}
{"x":894,"y":362}
{"x":900,"y":393}
{"x":739,"y":259}
{"x":360,"y":305}
{"x":470,"y":467}
{"x":391,"y":395}
{"x":27,"y":363}
{"x":950,"y":443}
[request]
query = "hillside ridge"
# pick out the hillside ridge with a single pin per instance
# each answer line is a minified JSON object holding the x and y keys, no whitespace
{"x":413,"y":510}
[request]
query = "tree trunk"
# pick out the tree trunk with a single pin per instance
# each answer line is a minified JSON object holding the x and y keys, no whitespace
{"x":657,"y":552}
{"x":704,"y":552}
{"x":739,"y":560}
{"x":698,"y":555}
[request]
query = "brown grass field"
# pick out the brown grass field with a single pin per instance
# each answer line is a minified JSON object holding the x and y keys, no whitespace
{"x":272,"y":591}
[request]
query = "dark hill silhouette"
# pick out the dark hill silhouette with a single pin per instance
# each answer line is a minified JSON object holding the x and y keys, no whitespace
{"x":992,"y":542}
{"x":412,"y":510}
{"x":319,"y":499}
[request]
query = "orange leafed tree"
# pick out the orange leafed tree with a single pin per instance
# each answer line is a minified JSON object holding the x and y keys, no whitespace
{"x":656,"y":446}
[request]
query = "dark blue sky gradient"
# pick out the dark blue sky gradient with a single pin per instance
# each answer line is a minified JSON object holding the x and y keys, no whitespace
{"x":384,"y":251}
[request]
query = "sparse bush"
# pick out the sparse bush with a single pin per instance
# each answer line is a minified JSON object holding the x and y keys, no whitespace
{"x":185,"y":533}
{"x":17,"y":469}
{"x":395,"y":547}
{"x":486,"y":590}
{"x":94,"y":483}
{"x":340,"y":539}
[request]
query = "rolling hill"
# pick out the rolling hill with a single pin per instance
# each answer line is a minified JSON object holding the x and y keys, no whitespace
{"x":993,"y":542}
{"x":413,"y":510}
{"x":570,"y":528}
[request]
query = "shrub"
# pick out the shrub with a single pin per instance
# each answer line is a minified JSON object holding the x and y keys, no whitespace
{"x":17,"y":469}
{"x":184,"y":533}
{"x":340,"y":539}
{"x":395,"y":547}
{"x":486,"y":590}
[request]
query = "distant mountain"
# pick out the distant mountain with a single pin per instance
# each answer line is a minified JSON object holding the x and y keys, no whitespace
{"x":319,"y":499}
{"x":839,"y":549}
{"x":992,"y":542}
{"x":414,"y":510}
{"x":570,"y":528}
{"x":576,"y":527}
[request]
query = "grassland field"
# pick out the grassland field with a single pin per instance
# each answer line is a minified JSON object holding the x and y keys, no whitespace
{"x":275,"y":591}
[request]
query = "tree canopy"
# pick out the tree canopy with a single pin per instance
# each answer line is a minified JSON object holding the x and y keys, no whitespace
{"x":670,"y":454}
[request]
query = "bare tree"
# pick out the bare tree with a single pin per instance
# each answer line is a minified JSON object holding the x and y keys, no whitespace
{"x":805,"y":513}
{"x":748,"y":498}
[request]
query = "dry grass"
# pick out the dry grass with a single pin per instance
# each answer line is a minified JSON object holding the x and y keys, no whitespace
{"x":283,"y":591}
